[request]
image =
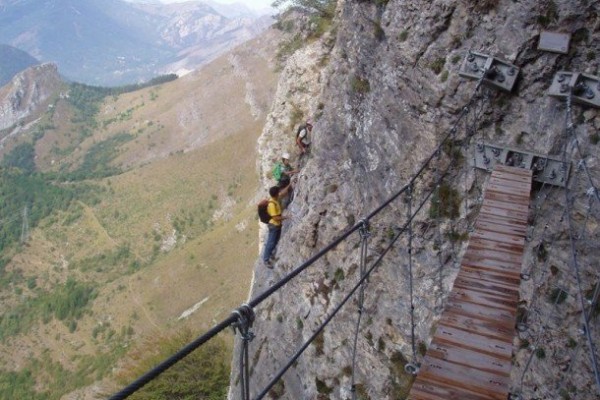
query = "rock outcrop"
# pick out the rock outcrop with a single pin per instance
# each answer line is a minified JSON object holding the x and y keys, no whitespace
{"x":383,"y":90}
{"x":28,"y":92}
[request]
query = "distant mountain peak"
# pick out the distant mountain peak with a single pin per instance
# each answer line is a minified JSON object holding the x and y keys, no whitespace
{"x":114,"y":42}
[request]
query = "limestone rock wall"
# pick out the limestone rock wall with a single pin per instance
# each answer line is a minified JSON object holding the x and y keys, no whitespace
{"x":26,"y":92}
{"x":383,"y":89}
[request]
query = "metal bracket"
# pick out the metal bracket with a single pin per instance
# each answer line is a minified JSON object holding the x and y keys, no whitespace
{"x":495,"y":73}
{"x":546,"y":169}
{"x":584,"y":89}
{"x":245,"y":318}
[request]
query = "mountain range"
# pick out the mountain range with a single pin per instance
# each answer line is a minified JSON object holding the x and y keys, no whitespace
{"x":113,"y":42}
{"x":12,"y":61}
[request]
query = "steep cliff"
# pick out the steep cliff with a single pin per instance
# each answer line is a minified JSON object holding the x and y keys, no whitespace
{"x":26,"y":93}
{"x":383,"y":88}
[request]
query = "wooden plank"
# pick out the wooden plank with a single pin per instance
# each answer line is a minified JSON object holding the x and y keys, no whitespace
{"x":488,"y":330}
{"x":507,"y":197}
{"x":501,"y":212}
{"x":503,"y":205}
{"x":511,"y":230}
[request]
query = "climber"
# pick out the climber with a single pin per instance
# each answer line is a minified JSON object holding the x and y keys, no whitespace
{"x":283,"y":171}
{"x":303,"y":136}
{"x":274,"y":210}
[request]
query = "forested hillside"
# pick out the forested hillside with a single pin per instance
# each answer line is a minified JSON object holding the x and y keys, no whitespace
{"x":116,"y":204}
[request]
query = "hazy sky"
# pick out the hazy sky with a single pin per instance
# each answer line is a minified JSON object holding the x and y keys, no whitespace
{"x":254,"y":4}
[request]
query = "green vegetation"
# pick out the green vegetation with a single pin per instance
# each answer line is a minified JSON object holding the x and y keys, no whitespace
{"x":444,"y":76}
{"x":21,"y":187}
{"x":21,"y":157}
{"x":121,"y":259}
{"x":360,"y":85}
{"x":321,"y":16}
{"x":540,"y":353}
{"x":445,"y":202}
{"x":66,"y":302}
{"x":96,"y":162}
{"x":289,"y":47}
{"x":401,"y":380}
{"x":437,"y":65}
{"x":57,"y":381}
{"x":594,"y":138}
{"x":322,"y":8}
{"x":361,"y":392}
{"x":204,"y":374}
{"x":322,"y":387}
{"x":580,"y":35}
{"x":378,"y":31}
{"x":402,"y":36}
{"x":422,"y":348}
{"x":550,"y":16}
{"x":278,"y":390}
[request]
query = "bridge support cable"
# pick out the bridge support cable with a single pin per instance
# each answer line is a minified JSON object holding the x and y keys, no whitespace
{"x":412,"y":367}
{"x":574,"y":263}
{"x":541,"y":253}
{"x":364,"y":236}
{"x":543,"y":320}
{"x":245,"y":318}
{"x":438,"y":240}
{"x":366,"y":276}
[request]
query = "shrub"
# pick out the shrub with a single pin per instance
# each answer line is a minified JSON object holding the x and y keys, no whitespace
{"x":445,"y":202}
{"x":360,"y":85}
{"x":444,"y":76}
{"x":437,"y":65}
{"x":204,"y":374}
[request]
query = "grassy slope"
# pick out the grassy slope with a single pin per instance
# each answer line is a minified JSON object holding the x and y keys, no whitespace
{"x":194,"y":151}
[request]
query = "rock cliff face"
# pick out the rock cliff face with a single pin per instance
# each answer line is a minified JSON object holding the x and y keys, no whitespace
{"x":383,"y":89}
{"x":26,"y":93}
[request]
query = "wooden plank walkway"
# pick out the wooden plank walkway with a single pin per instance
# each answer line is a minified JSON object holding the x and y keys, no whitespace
{"x":470,"y":355}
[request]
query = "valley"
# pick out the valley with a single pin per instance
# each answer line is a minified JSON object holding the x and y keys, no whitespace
{"x":144,"y":208}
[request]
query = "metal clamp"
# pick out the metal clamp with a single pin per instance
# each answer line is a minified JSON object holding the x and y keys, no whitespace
{"x":245,"y":318}
{"x":412,"y":368}
{"x":365,"y":228}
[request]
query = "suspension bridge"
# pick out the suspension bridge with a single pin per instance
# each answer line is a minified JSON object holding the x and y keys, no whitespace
{"x":470,"y":356}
